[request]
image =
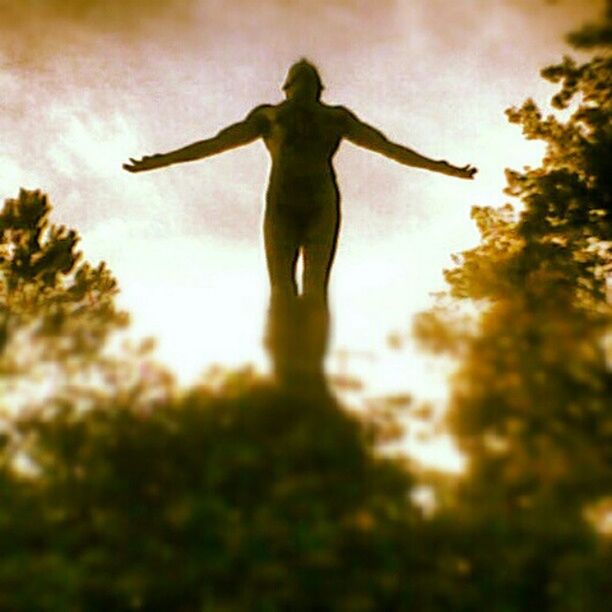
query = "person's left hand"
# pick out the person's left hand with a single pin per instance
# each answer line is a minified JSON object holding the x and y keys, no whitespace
{"x":464,"y":172}
{"x":467,"y":171}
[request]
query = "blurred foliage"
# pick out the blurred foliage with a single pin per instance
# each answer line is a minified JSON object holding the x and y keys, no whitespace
{"x":233,"y":499}
{"x":530,"y":400}
{"x":598,"y":34}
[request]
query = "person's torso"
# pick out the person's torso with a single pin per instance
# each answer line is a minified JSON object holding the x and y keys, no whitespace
{"x":302,"y":138}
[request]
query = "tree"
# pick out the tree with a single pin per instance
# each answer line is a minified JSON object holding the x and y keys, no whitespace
{"x":530,"y":398}
{"x":58,"y":314}
{"x":54,"y":308}
{"x":243,"y":498}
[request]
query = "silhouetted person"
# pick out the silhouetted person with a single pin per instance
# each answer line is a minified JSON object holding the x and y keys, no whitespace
{"x":302,"y":211}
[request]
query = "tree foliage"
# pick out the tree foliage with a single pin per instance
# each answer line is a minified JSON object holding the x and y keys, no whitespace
{"x":238,"y":499}
{"x":54,"y":308}
{"x":530,"y":402}
{"x":59,"y":322}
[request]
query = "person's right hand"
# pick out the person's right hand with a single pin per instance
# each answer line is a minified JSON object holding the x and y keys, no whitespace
{"x":465,"y":172}
{"x":148,"y":162}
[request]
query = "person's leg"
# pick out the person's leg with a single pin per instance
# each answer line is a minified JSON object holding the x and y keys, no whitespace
{"x":318,"y":253}
{"x":282,"y":249}
{"x":281,"y":241}
{"x":319,"y":249}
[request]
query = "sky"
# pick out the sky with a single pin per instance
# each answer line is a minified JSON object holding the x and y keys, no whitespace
{"x":88,"y":83}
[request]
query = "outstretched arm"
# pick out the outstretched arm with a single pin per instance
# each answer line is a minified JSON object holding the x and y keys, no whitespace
{"x":235,"y":135}
{"x":366,"y":136}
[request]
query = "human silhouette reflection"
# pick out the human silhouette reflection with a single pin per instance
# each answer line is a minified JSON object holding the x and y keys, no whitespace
{"x":302,"y":213}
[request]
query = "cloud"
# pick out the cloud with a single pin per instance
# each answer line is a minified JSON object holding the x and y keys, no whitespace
{"x":91,"y":13}
{"x":35,"y":32}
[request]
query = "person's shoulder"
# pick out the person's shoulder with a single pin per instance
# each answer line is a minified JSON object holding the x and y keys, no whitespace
{"x":337,"y":109}
{"x":262,"y":117}
{"x":263,"y":110}
{"x":339,"y":112}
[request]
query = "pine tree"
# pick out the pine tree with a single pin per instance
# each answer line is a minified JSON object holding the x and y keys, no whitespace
{"x":54,"y":307}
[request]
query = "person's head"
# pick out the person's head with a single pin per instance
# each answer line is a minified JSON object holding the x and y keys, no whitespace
{"x":303,"y":81}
